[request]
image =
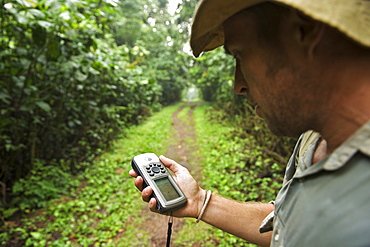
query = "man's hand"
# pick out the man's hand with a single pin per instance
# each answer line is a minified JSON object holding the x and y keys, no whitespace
{"x":194,"y":194}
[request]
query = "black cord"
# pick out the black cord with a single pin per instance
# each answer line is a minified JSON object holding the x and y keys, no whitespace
{"x":169,"y":231}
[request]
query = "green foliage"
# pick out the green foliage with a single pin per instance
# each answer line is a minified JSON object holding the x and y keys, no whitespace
{"x":213,"y":74}
{"x":45,"y":182}
{"x":236,"y":167}
{"x":250,"y":170}
{"x":103,"y":205}
{"x":74,"y":74}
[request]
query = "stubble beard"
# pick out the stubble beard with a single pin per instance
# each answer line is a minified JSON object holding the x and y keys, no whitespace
{"x":285,"y":116}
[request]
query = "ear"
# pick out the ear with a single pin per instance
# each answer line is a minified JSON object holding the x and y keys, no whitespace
{"x":307,"y":32}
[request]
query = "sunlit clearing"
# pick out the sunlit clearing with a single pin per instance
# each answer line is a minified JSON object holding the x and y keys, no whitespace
{"x":192,"y":94}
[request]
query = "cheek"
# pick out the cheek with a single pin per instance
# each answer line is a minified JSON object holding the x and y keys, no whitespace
{"x":253,"y":71}
{"x":259,"y":83}
{"x":269,"y":77}
{"x":278,"y":90}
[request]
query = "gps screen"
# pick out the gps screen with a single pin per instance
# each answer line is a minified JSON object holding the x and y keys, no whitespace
{"x":167,"y":189}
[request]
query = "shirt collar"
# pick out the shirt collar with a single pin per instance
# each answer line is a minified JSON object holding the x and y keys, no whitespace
{"x":360,"y":141}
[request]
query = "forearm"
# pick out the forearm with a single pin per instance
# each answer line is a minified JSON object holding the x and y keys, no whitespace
{"x":240,"y":219}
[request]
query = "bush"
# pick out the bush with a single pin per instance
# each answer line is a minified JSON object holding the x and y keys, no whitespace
{"x":66,"y":88}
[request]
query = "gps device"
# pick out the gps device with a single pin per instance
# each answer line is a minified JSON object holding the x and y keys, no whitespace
{"x":168,"y":194}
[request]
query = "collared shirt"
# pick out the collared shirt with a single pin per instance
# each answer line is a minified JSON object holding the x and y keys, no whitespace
{"x":326,"y":204}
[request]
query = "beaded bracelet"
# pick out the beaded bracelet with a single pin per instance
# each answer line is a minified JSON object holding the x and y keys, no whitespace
{"x":205,"y":203}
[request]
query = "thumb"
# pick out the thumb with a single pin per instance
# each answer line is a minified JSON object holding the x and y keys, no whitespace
{"x":172,"y":165}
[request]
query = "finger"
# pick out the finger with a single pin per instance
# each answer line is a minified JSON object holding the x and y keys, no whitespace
{"x":132,"y":173}
{"x":153,"y":205}
{"x":146,"y":194}
{"x":139,"y":183}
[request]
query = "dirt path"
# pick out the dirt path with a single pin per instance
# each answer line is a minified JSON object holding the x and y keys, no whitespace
{"x":182,"y":147}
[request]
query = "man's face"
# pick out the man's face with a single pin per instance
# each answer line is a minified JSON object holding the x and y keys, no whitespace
{"x":266,"y":75}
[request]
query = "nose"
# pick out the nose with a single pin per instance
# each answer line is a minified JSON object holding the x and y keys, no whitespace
{"x":240,"y":85}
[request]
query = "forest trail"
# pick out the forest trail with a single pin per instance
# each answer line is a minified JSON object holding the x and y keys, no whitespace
{"x":182,"y":148}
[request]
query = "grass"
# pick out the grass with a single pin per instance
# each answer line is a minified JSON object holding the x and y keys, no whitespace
{"x":214,"y":142}
{"x":101,"y":209}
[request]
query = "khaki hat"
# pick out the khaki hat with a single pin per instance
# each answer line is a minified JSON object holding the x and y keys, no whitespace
{"x":351,"y":17}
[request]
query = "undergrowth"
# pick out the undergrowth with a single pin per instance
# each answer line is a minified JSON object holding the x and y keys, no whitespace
{"x":99,"y":212}
{"x":233,"y":167}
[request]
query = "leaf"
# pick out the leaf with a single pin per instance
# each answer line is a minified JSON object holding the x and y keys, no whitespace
{"x":21,"y":18}
{"x":25,"y":3}
{"x":5,"y":98}
{"x":9,"y":212}
{"x":36,"y":13}
{"x":94,"y":71}
{"x":65,"y":15}
{"x":44,"y":106}
{"x":113,"y":2}
{"x":45,"y":24}
{"x":36,"y":235}
{"x":80,"y":76}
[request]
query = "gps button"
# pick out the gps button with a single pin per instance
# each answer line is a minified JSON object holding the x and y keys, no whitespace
{"x":156,"y":169}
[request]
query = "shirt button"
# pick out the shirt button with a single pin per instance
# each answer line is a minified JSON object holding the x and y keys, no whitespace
{"x":276,"y":237}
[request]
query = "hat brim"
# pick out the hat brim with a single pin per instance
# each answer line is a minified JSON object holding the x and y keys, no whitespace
{"x":350,"y":17}
{"x":207,"y":32}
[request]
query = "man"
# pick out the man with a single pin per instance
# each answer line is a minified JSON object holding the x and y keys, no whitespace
{"x":305,"y":65}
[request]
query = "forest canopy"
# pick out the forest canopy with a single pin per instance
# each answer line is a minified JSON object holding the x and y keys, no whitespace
{"x":75,"y":73}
